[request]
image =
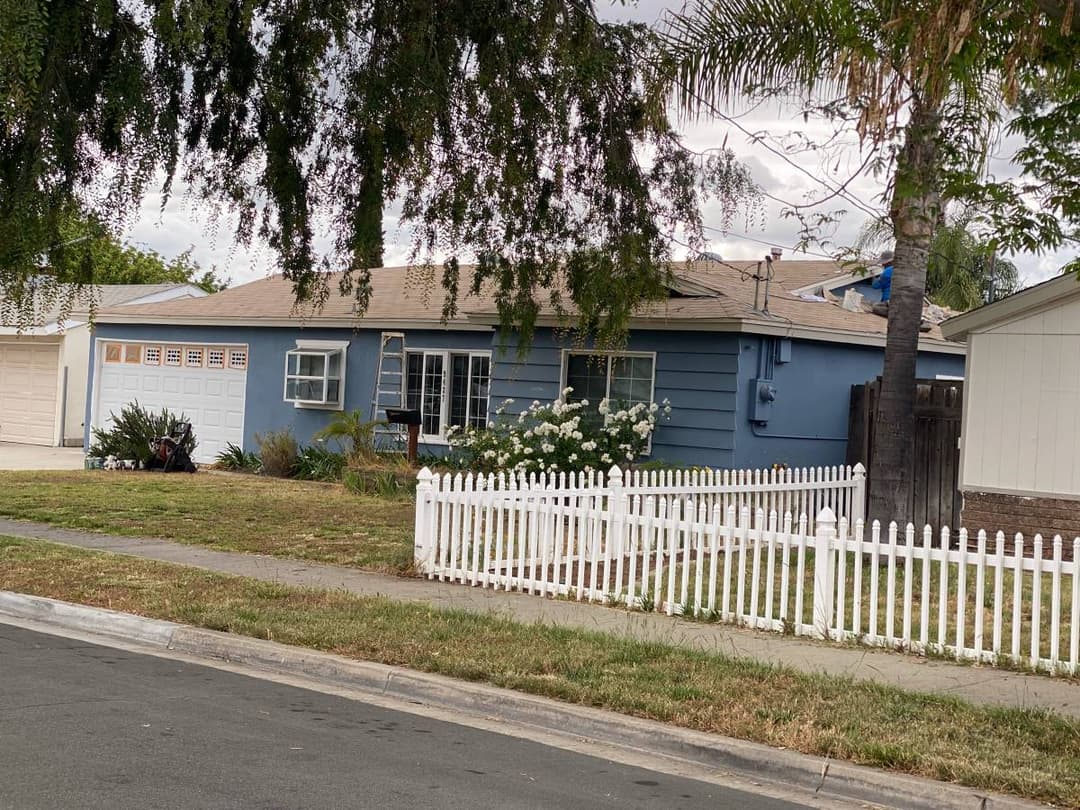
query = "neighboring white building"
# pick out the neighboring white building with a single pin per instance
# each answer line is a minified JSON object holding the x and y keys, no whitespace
{"x":43,"y":368}
{"x":1020,"y":445}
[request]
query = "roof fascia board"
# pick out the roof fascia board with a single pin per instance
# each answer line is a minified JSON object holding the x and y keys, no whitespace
{"x":1023,"y":303}
{"x":293,"y":323}
{"x":775,"y":329}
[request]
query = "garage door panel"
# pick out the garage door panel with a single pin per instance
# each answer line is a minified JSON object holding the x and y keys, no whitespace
{"x":28,"y":381}
{"x":212,"y":398}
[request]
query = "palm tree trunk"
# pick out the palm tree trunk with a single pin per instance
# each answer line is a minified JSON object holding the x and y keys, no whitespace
{"x":915,"y":211}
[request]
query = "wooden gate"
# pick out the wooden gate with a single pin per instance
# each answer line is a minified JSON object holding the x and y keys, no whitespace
{"x":934,"y":497}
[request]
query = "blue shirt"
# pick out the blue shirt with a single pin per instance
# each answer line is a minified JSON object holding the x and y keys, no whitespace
{"x":884,"y":283}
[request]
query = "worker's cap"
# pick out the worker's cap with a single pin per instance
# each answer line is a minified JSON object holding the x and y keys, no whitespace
{"x":885,"y":258}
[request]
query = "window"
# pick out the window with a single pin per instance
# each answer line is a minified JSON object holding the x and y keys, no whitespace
{"x":315,"y":374}
{"x":623,"y":379}
{"x":152,"y":355}
{"x":448,"y":388}
{"x":112,"y":352}
{"x":193,"y":357}
{"x":132,"y":353}
{"x":238,"y":358}
{"x":173,"y":355}
{"x":215,"y":358}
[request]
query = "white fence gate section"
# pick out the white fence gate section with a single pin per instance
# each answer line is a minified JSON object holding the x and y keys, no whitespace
{"x":726,"y":546}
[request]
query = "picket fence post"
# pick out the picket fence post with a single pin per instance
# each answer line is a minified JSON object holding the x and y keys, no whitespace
{"x":858,"y":495}
{"x":614,"y":540}
{"x":420,"y":530}
{"x":824,"y":591}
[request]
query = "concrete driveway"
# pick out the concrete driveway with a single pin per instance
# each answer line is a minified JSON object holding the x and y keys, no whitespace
{"x":35,"y":457}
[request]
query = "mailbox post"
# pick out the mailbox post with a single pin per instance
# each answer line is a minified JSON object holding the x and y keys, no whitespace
{"x":411,"y":419}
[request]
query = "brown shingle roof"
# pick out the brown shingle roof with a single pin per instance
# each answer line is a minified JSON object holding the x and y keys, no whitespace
{"x":410,"y":296}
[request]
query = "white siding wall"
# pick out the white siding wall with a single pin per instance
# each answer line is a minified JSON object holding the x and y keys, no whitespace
{"x":1022,"y":405}
{"x":75,"y":354}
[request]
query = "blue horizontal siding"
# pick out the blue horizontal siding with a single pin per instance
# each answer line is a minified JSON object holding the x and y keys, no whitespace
{"x":697,"y":373}
{"x":265,"y":408}
{"x":808,"y":425}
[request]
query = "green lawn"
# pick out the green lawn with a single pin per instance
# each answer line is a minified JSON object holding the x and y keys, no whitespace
{"x":1034,"y":754}
{"x":298,"y":519}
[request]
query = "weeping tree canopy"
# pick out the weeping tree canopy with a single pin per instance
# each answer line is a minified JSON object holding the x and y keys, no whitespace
{"x":515,"y":134}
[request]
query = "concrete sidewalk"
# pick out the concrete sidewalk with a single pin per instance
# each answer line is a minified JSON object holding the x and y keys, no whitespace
{"x":984,"y":685}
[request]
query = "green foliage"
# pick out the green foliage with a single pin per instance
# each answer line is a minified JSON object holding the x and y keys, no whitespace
{"x":319,"y":464}
{"x":354,"y":433}
{"x":938,"y":78}
{"x":963,"y":270}
{"x":507,"y":131}
{"x":278,"y":452}
{"x":237,"y":459}
{"x":562,"y":436}
{"x":384,"y":483}
{"x":129,"y":434}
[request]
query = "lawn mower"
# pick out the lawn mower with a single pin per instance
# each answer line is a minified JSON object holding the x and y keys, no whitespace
{"x":170,"y":453}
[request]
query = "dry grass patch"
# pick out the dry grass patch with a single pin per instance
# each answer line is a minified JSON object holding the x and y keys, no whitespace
{"x":1030,"y":753}
{"x":298,"y":519}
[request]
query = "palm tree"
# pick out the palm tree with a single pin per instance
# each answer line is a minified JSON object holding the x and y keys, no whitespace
{"x":963,"y":272}
{"x":924,"y":80}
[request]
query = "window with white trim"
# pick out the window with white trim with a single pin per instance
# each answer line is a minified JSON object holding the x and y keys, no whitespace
{"x":622,"y":379}
{"x":315,"y":374}
{"x":450,"y":389}
{"x":215,"y":358}
{"x":173,"y":355}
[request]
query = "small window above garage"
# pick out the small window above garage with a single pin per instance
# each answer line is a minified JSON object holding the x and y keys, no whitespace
{"x":315,"y":374}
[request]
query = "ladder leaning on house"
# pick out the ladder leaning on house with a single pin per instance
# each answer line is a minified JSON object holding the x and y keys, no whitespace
{"x":389,"y":390}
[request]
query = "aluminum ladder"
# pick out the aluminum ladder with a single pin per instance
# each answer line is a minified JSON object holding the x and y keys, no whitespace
{"x":389,"y":390}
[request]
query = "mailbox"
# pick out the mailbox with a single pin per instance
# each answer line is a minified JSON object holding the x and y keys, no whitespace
{"x":403,"y":416}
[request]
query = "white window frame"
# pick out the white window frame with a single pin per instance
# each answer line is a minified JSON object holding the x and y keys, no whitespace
{"x":610,"y":355}
{"x":325,"y":349}
{"x":444,"y":394}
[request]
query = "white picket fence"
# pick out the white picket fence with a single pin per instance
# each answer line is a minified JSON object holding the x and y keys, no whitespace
{"x":701,"y":545}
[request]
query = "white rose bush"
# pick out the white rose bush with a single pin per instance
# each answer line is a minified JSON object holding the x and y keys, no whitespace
{"x":561,"y":436}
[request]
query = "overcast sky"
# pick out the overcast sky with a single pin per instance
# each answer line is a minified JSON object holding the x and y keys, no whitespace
{"x":177,"y":228}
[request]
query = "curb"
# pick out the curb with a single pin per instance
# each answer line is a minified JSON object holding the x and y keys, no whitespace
{"x":793,"y":769}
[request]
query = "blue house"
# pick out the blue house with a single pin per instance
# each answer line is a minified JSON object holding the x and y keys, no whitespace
{"x":757,"y":371}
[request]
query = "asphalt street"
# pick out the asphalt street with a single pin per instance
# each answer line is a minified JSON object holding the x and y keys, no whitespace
{"x":86,"y":726}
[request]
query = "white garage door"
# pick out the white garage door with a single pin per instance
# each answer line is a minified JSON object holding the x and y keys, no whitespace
{"x":28,"y":375}
{"x":204,"y":382}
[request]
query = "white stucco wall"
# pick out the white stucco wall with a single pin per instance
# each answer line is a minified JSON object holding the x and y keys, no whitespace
{"x":1021,"y":430}
{"x":74,"y":355}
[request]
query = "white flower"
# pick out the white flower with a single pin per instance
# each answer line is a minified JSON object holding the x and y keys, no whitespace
{"x":588,"y":446}
{"x":577,"y":435}
{"x":567,"y":391}
{"x":654,"y":408}
{"x":547,"y":448}
{"x":491,"y":424}
{"x":667,"y":410}
{"x":573,"y":458}
{"x":603,"y":408}
{"x":605,"y":458}
{"x":489,"y":454}
{"x":584,"y":403}
{"x":527,"y":451}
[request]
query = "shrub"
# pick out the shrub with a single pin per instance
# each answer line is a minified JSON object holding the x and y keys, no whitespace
{"x":561,"y":436}
{"x":278,"y":451}
{"x":355,"y":434}
{"x":131,"y":432}
{"x":237,"y":459}
{"x":319,"y":464}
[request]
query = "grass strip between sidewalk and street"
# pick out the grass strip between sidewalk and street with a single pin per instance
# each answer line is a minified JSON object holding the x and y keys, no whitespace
{"x":1034,"y":754}
{"x":301,"y":520}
